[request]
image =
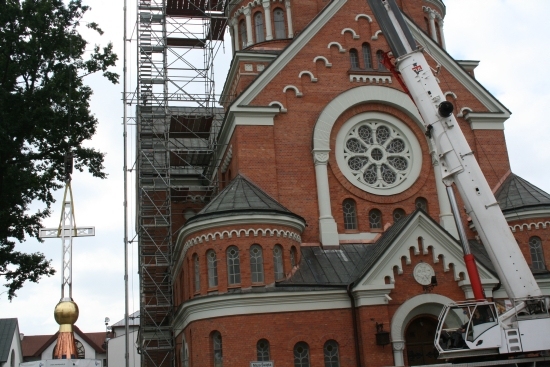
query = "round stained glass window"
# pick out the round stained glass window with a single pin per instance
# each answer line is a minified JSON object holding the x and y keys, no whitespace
{"x":378,"y":153}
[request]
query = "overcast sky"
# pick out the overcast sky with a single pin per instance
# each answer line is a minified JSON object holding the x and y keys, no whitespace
{"x":507,"y":36}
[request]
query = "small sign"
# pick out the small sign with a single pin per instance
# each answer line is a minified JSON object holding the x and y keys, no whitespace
{"x":262,"y":364}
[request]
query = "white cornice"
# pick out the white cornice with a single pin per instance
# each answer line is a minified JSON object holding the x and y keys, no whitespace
{"x":258,"y":303}
{"x":236,"y":62}
{"x":243,"y":115}
{"x":486,"y":121}
{"x":439,"y":4}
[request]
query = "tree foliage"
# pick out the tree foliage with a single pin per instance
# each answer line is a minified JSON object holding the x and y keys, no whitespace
{"x":44,"y":113}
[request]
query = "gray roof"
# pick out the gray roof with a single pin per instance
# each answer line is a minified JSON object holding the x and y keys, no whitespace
{"x":517,"y":195}
{"x":7,"y":328}
{"x":325,"y":267}
{"x":132,"y":318}
{"x":242,"y":197}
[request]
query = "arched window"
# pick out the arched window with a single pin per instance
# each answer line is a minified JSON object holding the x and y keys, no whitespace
{"x":367,"y":57}
{"x":233,"y":266}
{"x":421,"y":203}
{"x":184,"y":355}
{"x":428,"y":29}
{"x":212,"y":269}
{"x":12,"y":358}
{"x":256,"y":264}
{"x":350,"y":214}
{"x":332,"y":358}
{"x":537,"y":257}
{"x":278,"y":266}
{"x":354,"y":58}
{"x":375,"y":218}
{"x":244,"y":36}
{"x":259,"y":25}
{"x":398,"y":214}
{"x":197,"y":273}
{"x":217,"y":349}
{"x":262,"y":350}
{"x":301,"y":355}
{"x":279,"y":20}
{"x":380,"y":59}
{"x":293,"y":256}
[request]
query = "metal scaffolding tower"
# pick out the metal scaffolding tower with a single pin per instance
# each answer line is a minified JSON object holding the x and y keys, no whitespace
{"x":177,"y":127}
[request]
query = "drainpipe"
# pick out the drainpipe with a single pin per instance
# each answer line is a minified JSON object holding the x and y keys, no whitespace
{"x":355,"y":328}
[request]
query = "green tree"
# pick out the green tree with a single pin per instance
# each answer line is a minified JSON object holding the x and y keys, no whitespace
{"x":44,"y":113}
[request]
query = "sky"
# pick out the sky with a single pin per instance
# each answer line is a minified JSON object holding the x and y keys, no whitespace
{"x":507,"y":36}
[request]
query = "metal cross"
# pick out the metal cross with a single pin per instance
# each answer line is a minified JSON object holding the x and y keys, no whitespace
{"x":66,"y":231}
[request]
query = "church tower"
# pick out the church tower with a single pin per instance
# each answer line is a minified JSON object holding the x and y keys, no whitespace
{"x":331,"y":220}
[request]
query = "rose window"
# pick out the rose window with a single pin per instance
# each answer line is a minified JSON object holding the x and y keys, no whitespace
{"x":378,"y":154}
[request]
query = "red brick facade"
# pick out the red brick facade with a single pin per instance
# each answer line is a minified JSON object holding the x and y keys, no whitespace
{"x":277,"y":157}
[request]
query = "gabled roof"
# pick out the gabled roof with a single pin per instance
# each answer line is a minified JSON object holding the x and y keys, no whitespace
{"x":7,"y":328}
{"x":34,"y":345}
{"x":240,"y":197}
{"x":133,"y":320}
{"x":517,"y":195}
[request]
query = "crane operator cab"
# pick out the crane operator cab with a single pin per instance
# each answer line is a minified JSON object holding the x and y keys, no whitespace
{"x":467,"y":327}
{"x":476,"y":328}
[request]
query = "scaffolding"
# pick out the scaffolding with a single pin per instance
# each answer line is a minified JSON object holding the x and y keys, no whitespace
{"x":177,"y":122}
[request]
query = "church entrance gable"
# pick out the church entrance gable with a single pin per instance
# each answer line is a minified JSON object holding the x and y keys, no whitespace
{"x":421,"y":240}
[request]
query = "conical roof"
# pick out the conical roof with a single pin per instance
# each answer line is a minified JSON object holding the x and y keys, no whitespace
{"x":516,"y":195}
{"x":241,"y":197}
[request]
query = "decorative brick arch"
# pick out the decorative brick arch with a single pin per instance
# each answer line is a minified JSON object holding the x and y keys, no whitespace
{"x":430,"y":304}
{"x":328,"y":233}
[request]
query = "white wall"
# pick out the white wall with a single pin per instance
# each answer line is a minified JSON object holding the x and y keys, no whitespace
{"x":16,"y":347}
{"x":116,"y":348}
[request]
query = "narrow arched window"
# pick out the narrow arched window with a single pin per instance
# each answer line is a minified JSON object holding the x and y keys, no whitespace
{"x":537,"y":257}
{"x":438,"y":32}
{"x":421,"y":203}
{"x":367,"y":57}
{"x":380,"y":59}
{"x":244,"y":36}
{"x":184,"y":355}
{"x":217,"y":349}
{"x":428,"y":29}
{"x":293,"y":256}
{"x":375,"y":218}
{"x":256,"y":264}
{"x":279,"y":21}
{"x":350,"y":214}
{"x":233,"y":266}
{"x":12,"y":358}
{"x":332,"y":357}
{"x":262,"y":350}
{"x":278,"y":266}
{"x":398,"y":214}
{"x":301,"y":355}
{"x":354,"y":58}
{"x":197,"y":273}
{"x":212,"y":269}
{"x":259,"y":25}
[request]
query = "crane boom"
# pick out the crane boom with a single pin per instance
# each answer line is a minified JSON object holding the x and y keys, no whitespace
{"x":484,"y":331}
{"x":458,"y":163}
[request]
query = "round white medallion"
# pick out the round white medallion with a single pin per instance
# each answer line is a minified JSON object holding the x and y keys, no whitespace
{"x":423,"y":273}
{"x":378,"y":153}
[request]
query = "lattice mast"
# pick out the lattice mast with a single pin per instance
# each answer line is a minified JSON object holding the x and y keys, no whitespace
{"x":177,"y":125}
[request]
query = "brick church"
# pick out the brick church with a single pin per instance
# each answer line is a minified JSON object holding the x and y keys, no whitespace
{"x":331,"y":218}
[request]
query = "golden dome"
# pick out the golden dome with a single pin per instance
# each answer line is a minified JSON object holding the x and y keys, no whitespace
{"x":66,"y":312}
